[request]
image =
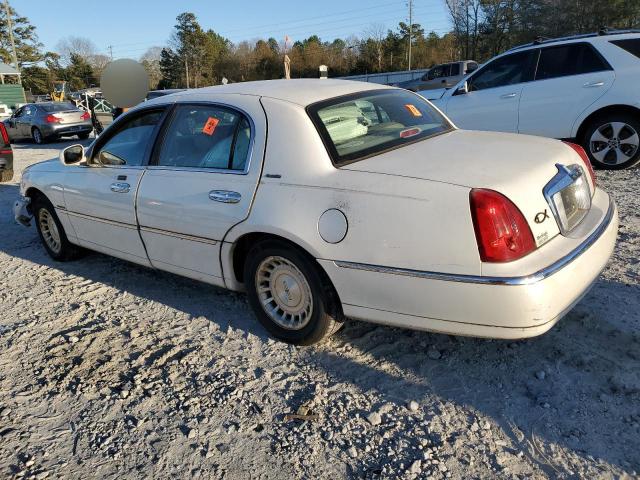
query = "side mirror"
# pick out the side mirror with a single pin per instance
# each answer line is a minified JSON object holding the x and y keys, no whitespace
{"x":72,"y":155}
{"x":462,"y":89}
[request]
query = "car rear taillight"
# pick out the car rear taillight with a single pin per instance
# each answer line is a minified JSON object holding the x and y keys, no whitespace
{"x":585,"y":159}
{"x":4,"y":134}
{"x":52,"y":119}
{"x":502,"y":232}
{"x":85,"y":116}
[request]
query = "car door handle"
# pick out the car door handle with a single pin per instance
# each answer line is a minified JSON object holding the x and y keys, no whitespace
{"x":224,"y":196}
{"x":120,"y":187}
{"x":508,"y":95}
{"x":593,"y":84}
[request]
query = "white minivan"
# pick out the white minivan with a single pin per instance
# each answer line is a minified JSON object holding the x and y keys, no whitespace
{"x":585,"y":88}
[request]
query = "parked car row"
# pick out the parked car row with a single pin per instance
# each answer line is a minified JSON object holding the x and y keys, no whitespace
{"x":358,"y":201}
{"x":583,"y":88}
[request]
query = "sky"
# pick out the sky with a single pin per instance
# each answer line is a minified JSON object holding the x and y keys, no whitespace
{"x":133,"y":26}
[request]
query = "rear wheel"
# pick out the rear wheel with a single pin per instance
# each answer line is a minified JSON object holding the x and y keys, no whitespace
{"x":51,"y":232}
{"x":612,"y":141}
{"x":37,"y":136}
{"x":289,"y":295}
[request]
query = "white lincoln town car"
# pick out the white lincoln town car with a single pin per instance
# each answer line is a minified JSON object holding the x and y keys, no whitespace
{"x":329,"y":199}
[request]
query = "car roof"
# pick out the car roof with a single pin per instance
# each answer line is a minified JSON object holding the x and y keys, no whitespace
{"x":303,"y":91}
{"x":603,"y":35}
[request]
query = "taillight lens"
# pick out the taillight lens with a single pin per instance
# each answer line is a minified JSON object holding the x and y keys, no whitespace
{"x":4,"y":134}
{"x":85,"y":116}
{"x":585,"y":159}
{"x":502,"y":232}
{"x":52,"y":119}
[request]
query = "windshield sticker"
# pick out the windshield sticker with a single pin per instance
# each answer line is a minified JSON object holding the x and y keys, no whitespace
{"x":413,"y":110}
{"x":210,"y":126}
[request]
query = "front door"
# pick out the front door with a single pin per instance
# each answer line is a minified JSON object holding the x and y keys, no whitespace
{"x":493,"y":96}
{"x":100,"y":196}
{"x":14,"y":124}
{"x":200,"y":184}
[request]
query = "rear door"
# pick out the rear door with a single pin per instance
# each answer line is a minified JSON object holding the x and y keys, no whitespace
{"x":493,"y":96}
{"x":100,"y":197}
{"x":568,"y":79}
{"x":201,"y":183}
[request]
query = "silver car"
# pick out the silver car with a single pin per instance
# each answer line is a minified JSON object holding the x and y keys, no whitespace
{"x":48,"y":121}
{"x":440,"y":76}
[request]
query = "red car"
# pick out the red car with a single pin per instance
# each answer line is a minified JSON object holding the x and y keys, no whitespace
{"x":6,"y":155}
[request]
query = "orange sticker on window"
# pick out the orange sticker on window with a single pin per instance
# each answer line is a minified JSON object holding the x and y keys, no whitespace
{"x":413,"y":110}
{"x":210,"y":126}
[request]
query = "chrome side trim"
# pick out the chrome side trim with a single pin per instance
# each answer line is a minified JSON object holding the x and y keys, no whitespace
{"x":181,"y":236}
{"x":512,"y":281}
{"x":102,"y":220}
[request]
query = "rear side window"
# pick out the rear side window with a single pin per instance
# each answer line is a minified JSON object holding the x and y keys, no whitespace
{"x":503,"y":71}
{"x":354,"y":127}
{"x":571,"y":59}
{"x":631,"y":45}
{"x":206,"y":136}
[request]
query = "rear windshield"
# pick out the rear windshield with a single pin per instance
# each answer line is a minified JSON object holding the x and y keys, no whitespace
{"x":631,"y":45}
{"x":354,"y":127}
{"x":58,"y":107}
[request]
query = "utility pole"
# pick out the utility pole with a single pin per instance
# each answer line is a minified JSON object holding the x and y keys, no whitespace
{"x":186,"y":70}
{"x":10,"y":25}
{"x":110,"y":48}
{"x":410,"y":29}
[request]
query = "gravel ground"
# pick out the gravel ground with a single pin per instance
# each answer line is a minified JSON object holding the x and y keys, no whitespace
{"x":112,"y":370}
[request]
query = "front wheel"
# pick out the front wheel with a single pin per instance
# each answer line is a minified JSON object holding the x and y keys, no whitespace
{"x":288,"y":294}
{"x":51,"y":232}
{"x":612,"y":141}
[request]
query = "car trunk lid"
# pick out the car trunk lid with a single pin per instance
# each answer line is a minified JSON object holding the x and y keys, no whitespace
{"x":517,"y":166}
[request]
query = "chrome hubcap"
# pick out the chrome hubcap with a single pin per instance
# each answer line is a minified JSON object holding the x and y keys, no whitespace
{"x":284,"y":293}
{"x":614,"y":143}
{"x":49,"y":230}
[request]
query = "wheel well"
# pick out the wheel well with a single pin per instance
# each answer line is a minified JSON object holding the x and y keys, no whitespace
{"x":33,"y":193}
{"x":243,"y":245}
{"x":605,"y":111}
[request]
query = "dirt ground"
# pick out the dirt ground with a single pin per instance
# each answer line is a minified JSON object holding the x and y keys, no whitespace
{"x":112,"y":370}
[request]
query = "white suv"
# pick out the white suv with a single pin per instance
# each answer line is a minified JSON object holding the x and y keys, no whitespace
{"x":585,"y":88}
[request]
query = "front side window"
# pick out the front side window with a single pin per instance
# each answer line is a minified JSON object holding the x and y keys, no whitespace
{"x":437,"y":72}
{"x":206,"y":136}
{"x":354,"y":127}
{"x":570,"y":59}
{"x":455,"y":69}
{"x":503,"y":71}
{"x":128,"y":146}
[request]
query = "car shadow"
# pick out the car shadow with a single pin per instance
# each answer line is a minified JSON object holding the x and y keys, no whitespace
{"x":578,"y":410}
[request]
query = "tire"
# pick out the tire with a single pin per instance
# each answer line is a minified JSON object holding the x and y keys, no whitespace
{"x":612,"y":141}
{"x":312,"y":312}
{"x":84,"y":136}
{"x":37,"y":136}
{"x":51,"y":232}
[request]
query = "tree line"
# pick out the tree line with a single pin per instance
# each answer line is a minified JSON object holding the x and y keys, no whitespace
{"x":196,"y":56}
